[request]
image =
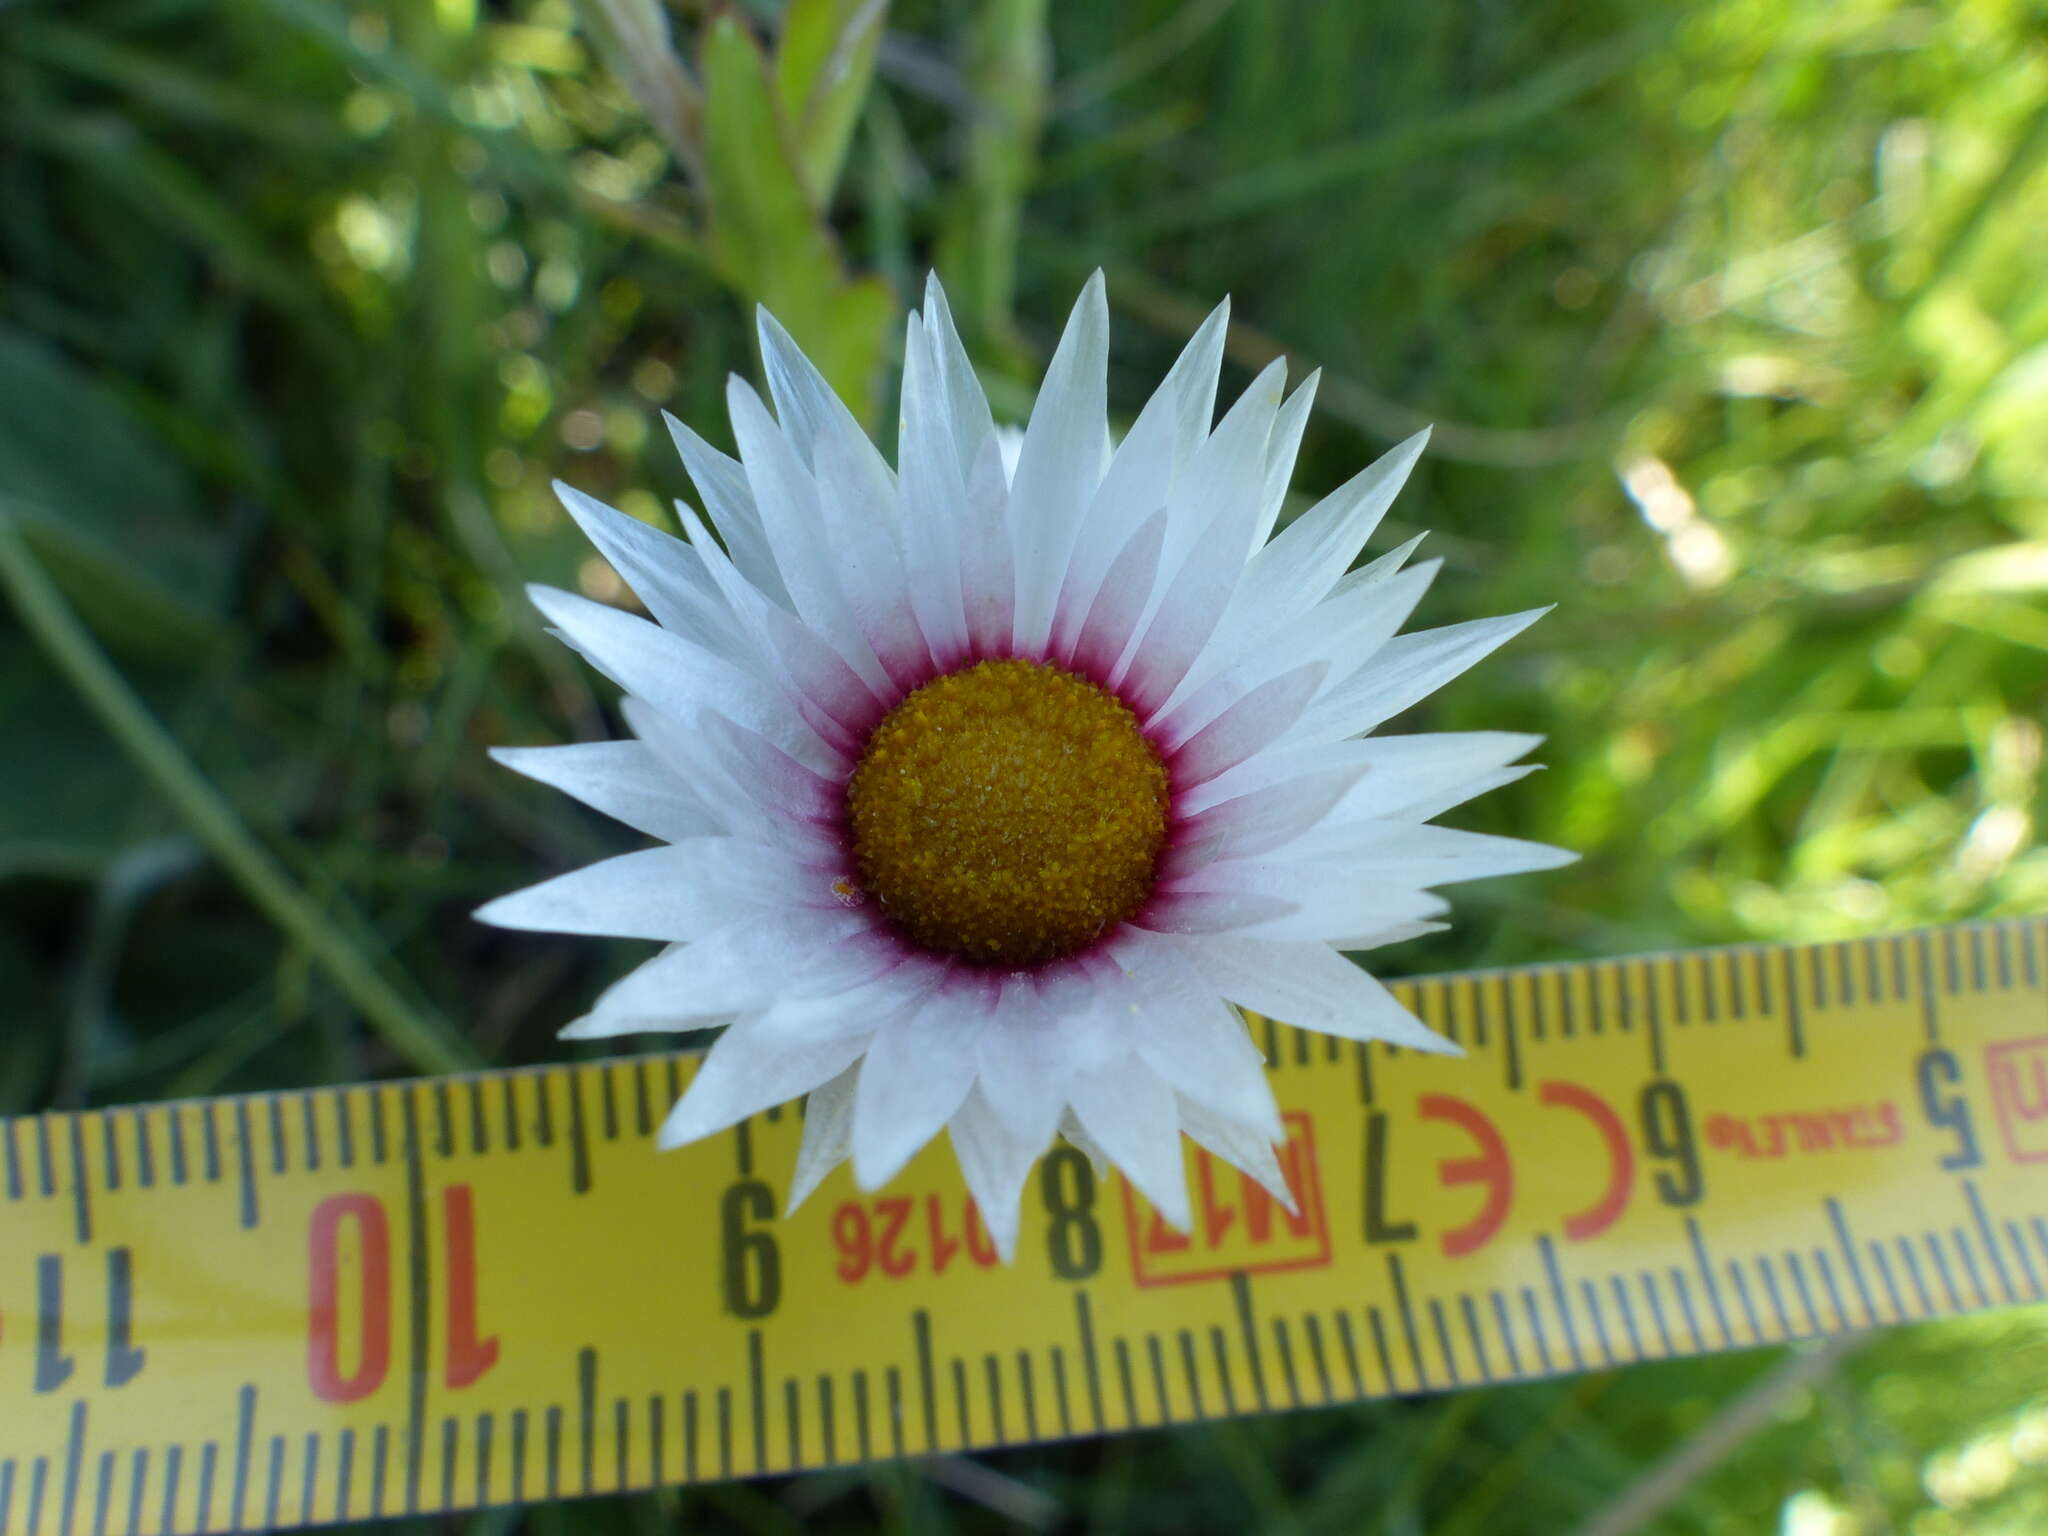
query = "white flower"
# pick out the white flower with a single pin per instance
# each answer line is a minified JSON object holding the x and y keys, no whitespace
{"x":990,"y":787}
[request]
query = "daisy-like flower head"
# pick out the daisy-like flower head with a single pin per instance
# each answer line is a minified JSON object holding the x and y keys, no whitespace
{"x":990,"y":787}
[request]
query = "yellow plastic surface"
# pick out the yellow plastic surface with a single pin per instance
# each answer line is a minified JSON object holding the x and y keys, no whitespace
{"x":302,"y":1307}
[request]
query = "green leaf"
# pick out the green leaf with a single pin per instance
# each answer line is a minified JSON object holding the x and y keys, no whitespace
{"x":822,"y":70}
{"x":1009,"y":71}
{"x":769,"y":241}
{"x":633,"y":38}
{"x":71,"y":805}
{"x":111,"y":513}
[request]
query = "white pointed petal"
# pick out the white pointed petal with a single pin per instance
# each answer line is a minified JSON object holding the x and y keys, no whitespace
{"x":825,"y":693}
{"x":1142,"y":472}
{"x":804,"y":403}
{"x":931,"y":489}
{"x":1201,"y":1051}
{"x":1060,"y":463}
{"x":961,"y":407}
{"x":1129,"y":1112}
{"x":1400,"y":933}
{"x":1281,"y":449}
{"x":1276,"y":765}
{"x":1267,"y":818}
{"x":673,"y":675}
{"x":675,"y":1010}
{"x":862,"y":1010}
{"x":1310,"y":986}
{"x":746,"y":1072}
{"x":1246,"y":639}
{"x":1253,"y":723}
{"x":1197,"y":912}
{"x":774,"y":780}
{"x":1343,"y":633}
{"x":623,"y":779}
{"x":790,"y":1048}
{"x":1298,"y":569}
{"x":1243,"y":1146}
{"x":1010,"y":443}
{"x":1328,"y":899}
{"x":1468,"y":789}
{"x":915,"y":1076}
{"x":1421,"y":855}
{"x":1024,"y":1064}
{"x":834,"y":700}
{"x":676,"y":892}
{"x":1307,"y":563}
{"x":1120,"y":600}
{"x":858,"y":499}
{"x":1219,"y":496}
{"x":740,"y":597}
{"x":1186,"y":615}
{"x":594,"y":1026}
{"x":1098,"y":1160}
{"x":787,"y":497}
{"x":743,"y":967}
{"x":988,"y":560}
{"x":1414,"y":778}
{"x":1400,"y":771}
{"x":1406,"y":669}
{"x":1094,"y":1005}
{"x":722,"y":486}
{"x":784,"y":494}
{"x":664,"y":572}
{"x":1187,"y":396}
{"x":995,"y":1162}
{"x":828,"y":1135}
{"x":695,"y":756}
{"x":1381,"y":568}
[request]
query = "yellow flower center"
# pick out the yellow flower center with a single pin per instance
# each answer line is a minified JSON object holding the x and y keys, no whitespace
{"x":1008,"y":813}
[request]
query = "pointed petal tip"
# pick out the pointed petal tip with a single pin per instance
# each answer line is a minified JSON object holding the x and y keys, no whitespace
{"x":1179,"y":1211}
{"x":492,"y":913}
{"x":1429,"y":1043}
{"x":680,"y":1128}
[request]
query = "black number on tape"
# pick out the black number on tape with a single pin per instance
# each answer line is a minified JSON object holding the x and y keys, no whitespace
{"x":1667,"y":1133}
{"x":1939,"y":1072}
{"x":753,"y":1262}
{"x":1072,"y":1237}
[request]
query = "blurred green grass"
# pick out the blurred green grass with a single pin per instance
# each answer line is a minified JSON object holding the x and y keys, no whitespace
{"x":1732,"y":320}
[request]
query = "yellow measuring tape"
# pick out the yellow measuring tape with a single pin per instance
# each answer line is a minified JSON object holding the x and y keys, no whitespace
{"x":244,"y":1313}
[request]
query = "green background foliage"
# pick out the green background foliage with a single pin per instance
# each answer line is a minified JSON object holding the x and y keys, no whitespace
{"x":1730,"y":315}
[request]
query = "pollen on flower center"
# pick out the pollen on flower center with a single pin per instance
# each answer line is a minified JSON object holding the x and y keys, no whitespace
{"x":1008,"y":813}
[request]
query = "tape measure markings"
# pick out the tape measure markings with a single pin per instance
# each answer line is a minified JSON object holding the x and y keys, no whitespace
{"x":1276,"y":1334}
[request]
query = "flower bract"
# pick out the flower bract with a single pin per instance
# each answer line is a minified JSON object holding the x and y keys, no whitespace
{"x":990,"y":788}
